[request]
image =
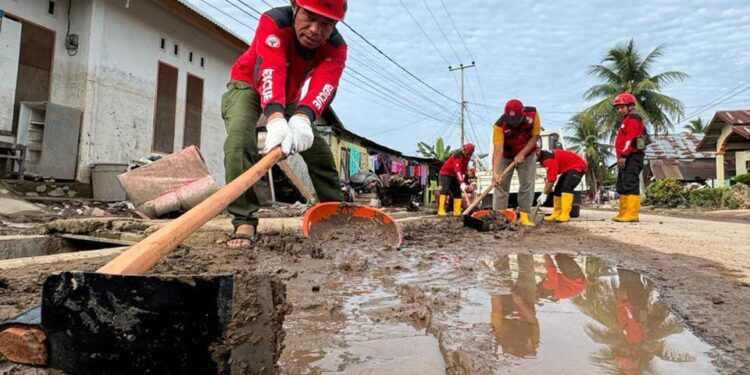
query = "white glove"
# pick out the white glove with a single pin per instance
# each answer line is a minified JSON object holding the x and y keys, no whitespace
{"x":463,"y":187}
{"x":300,"y":135}
{"x":277,"y":132}
{"x":542,"y":198}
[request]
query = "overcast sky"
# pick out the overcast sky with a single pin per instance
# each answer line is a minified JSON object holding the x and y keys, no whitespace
{"x":537,"y":51}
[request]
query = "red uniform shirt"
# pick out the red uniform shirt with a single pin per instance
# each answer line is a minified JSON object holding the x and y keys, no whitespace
{"x":632,"y":127}
{"x":277,"y":66}
{"x":456,"y":166}
{"x":561,"y":285}
{"x":563,"y":161}
{"x":514,"y":138}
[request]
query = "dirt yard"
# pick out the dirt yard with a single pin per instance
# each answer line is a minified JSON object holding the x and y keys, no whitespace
{"x":666,"y":295}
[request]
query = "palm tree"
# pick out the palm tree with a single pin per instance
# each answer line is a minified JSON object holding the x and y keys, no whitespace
{"x":439,"y":151}
{"x":623,"y":69}
{"x":588,"y":140}
{"x":696,"y":126}
{"x":599,"y":303}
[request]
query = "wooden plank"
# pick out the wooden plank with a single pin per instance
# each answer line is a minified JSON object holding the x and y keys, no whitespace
{"x":296,"y":181}
{"x":80,"y":237}
{"x":66,"y":257}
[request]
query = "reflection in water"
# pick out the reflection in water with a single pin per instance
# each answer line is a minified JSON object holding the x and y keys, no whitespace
{"x":631,"y":323}
{"x":513,"y":315}
{"x":634,"y":323}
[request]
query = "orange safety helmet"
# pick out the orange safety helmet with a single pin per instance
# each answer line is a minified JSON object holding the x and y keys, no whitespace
{"x":625,"y":98}
{"x":333,"y":9}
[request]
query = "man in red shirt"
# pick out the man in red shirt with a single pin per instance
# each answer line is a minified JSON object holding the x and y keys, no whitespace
{"x":629,"y":158}
{"x":292,"y":45}
{"x":453,"y":179}
{"x":514,"y":139}
{"x":571,"y":169}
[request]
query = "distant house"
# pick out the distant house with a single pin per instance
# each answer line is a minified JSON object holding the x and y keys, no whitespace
{"x":728,"y":135}
{"x":676,"y":156}
{"x":124,"y":79}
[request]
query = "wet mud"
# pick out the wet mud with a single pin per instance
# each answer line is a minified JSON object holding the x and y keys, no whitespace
{"x":550,"y":299}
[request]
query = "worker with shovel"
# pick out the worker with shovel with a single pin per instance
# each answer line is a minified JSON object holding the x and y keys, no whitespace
{"x":514,"y":140}
{"x":571,"y":169}
{"x":630,"y":144}
{"x":453,"y":179}
{"x":292,"y":44}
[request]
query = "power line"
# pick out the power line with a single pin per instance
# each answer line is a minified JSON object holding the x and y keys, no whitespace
{"x":424,"y":32}
{"x":466,"y":47}
{"x":397,"y":64}
{"x":715,"y":102}
{"x":392,"y":100}
{"x":253,"y":9}
{"x":441,"y":30}
{"x":228,"y":15}
{"x":393,"y":93}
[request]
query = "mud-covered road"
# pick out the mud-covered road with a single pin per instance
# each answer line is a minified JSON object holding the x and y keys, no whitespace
{"x":563,"y":299}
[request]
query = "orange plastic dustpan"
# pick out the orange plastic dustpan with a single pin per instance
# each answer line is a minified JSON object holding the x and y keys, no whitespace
{"x":508,"y":213}
{"x":322,"y":212}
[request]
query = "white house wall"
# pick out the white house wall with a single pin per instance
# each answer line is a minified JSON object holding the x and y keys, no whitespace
{"x":112,"y":78}
{"x":122,"y":83}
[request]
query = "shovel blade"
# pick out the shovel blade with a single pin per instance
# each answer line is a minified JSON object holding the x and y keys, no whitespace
{"x":119,"y":324}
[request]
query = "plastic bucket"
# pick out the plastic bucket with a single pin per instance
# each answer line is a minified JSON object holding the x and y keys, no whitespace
{"x":104,"y":183}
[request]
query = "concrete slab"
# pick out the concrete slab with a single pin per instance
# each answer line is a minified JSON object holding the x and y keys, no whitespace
{"x":11,"y":206}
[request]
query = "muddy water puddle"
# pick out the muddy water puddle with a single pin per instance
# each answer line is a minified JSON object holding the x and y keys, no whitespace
{"x":366,"y":334}
{"x":560,"y":314}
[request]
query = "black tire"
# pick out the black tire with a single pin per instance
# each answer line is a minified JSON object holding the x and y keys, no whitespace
{"x":575,"y":211}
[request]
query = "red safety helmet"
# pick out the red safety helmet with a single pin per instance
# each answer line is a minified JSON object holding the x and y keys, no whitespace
{"x":333,"y":9}
{"x":513,"y":112}
{"x":469,"y":147}
{"x":625,"y":98}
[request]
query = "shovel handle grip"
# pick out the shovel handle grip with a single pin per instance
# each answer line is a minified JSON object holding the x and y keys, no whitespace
{"x":487,"y":190}
{"x":144,"y":255}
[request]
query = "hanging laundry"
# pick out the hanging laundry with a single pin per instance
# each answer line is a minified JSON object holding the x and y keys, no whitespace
{"x":354,"y":161}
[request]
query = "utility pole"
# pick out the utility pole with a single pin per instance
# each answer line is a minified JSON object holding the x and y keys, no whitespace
{"x":461,"y":67}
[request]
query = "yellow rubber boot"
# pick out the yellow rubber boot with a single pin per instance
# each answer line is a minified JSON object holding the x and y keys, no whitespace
{"x":555,"y":209}
{"x":525,"y":220}
{"x":623,"y":208}
{"x":566,"y":205}
{"x":634,"y":209}
{"x":441,"y":205}
{"x":456,"y":207}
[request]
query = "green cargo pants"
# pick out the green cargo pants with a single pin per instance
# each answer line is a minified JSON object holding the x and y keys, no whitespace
{"x":240,"y":109}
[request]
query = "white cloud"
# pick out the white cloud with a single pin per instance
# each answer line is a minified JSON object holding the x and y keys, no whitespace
{"x":537,"y":51}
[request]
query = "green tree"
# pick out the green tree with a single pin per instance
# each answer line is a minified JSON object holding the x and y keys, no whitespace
{"x":696,"y":126}
{"x":588,"y":138}
{"x":439,"y":150}
{"x":624,"y":70}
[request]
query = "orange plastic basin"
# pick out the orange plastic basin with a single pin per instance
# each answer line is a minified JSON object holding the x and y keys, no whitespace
{"x":322,"y":212}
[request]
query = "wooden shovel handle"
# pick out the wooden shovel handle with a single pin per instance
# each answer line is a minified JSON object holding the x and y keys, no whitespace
{"x":144,"y":255}
{"x":487,"y":190}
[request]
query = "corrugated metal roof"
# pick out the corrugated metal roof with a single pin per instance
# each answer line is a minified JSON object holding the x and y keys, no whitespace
{"x":676,"y":146}
{"x":743,"y":131}
{"x":683,"y":170}
{"x":735,"y":117}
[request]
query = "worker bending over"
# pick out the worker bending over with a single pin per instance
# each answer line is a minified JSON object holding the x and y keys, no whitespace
{"x":571,"y":168}
{"x":453,"y":179}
